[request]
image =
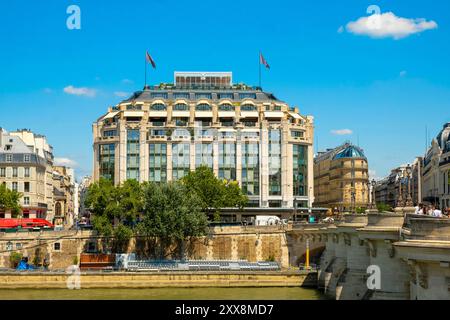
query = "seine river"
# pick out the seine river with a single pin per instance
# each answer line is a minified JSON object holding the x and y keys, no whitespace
{"x":163,"y":294}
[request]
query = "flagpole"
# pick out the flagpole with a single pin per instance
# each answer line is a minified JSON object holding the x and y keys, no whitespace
{"x":259,"y":64}
{"x":145,"y":68}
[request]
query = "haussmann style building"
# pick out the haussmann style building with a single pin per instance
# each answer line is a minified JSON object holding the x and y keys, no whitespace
{"x":341,"y":179}
{"x":242,"y":133}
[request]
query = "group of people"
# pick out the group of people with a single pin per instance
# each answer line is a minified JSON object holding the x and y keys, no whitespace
{"x":432,"y":210}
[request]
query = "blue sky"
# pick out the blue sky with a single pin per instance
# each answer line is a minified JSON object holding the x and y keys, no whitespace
{"x":386,"y":88}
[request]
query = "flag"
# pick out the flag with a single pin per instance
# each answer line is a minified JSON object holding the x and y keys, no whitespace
{"x":263,"y":61}
{"x":150,"y":60}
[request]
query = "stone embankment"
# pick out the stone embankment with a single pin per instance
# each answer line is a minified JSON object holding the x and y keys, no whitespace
{"x":411,"y":252}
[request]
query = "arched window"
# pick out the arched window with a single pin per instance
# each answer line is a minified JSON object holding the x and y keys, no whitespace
{"x":226,"y":107}
{"x":248,"y":107}
{"x":158,"y":107}
{"x":58,"y":209}
{"x":203,"y":107}
{"x":180,"y":107}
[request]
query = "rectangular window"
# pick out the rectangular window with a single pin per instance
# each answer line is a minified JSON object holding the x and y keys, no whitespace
{"x":109,"y":133}
{"x":27,"y":172}
{"x":204,"y":155}
{"x":26,"y":158}
{"x":14,"y":186}
{"x":227,"y":95}
{"x":26,"y":201}
{"x":181,"y":95}
{"x":300,"y":169}
{"x":15,"y":172}
{"x":133,"y":154}
{"x":275,"y":162}
{"x":26,"y":187}
{"x":157,"y":162}
{"x":227,"y":160}
{"x":2,"y":172}
{"x":247,"y":96}
{"x":9,"y":158}
{"x":107,"y":161}
{"x":180,"y":160}
{"x":297,"y":134}
{"x":250,"y":168}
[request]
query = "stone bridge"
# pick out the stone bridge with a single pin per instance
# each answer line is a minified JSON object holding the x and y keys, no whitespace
{"x":411,"y":251}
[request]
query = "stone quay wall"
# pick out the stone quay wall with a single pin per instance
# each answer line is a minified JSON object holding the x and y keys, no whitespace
{"x":63,"y":248}
{"x":159,"y":280}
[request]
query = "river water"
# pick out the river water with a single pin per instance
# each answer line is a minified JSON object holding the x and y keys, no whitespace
{"x":163,"y":294}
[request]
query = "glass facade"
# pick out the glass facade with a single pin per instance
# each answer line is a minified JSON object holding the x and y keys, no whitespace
{"x":157,"y":162}
{"x":250,"y":168}
{"x":133,"y":154}
{"x":204,"y":155}
{"x":106,"y":161}
{"x":300,"y":169}
{"x":180,"y":160}
{"x":274,"y":162}
{"x":227,"y":161}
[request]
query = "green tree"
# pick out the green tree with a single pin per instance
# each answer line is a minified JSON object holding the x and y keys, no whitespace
{"x":214,"y":193}
{"x":172,"y":214}
{"x":9,"y":200}
{"x":115,"y":209}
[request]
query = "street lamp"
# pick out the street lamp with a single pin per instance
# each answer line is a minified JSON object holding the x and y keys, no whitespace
{"x":373,"y":204}
{"x":400,"y":197}
{"x":409,"y":202}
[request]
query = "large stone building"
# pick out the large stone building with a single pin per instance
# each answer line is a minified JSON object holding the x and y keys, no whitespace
{"x":436,"y":175}
{"x":25,"y":161}
{"x":64,"y":196}
{"x":403,"y":183}
{"x":26,"y":165}
{"x":242,"y":133}
{"x":341,"y":178}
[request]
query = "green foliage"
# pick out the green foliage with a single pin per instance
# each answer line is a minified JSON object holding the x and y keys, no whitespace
{"x":75,"y":260}
{"x":172,"y":214}
{"x":361,"y":210}
{"x":382,"y":207}
{"x":10,"y":200}
{"x":110,"y":203}
{"x":214,"y":193}
{"x":271,"y":258}
{"x":14,"y":259}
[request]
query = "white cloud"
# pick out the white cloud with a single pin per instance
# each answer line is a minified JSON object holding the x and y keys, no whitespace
{"x":388,"y":25}
{"x":341,"y":29}
{"x":65,"y":162}
{"x":127,"y":81}
{"x":83,"y":91}
{"x":342,"y":132}
{"x":121,"y":94}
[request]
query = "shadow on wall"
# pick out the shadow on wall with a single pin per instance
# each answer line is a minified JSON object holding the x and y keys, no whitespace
{"x":314,"y":256}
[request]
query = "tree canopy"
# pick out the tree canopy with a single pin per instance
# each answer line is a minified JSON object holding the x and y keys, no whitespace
{"x":214,"y":193}
{"x":9,"y":200}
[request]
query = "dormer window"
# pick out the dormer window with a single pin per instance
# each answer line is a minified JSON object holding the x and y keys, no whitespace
{"x":9,"y":158}
{"x":203,"y":107}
